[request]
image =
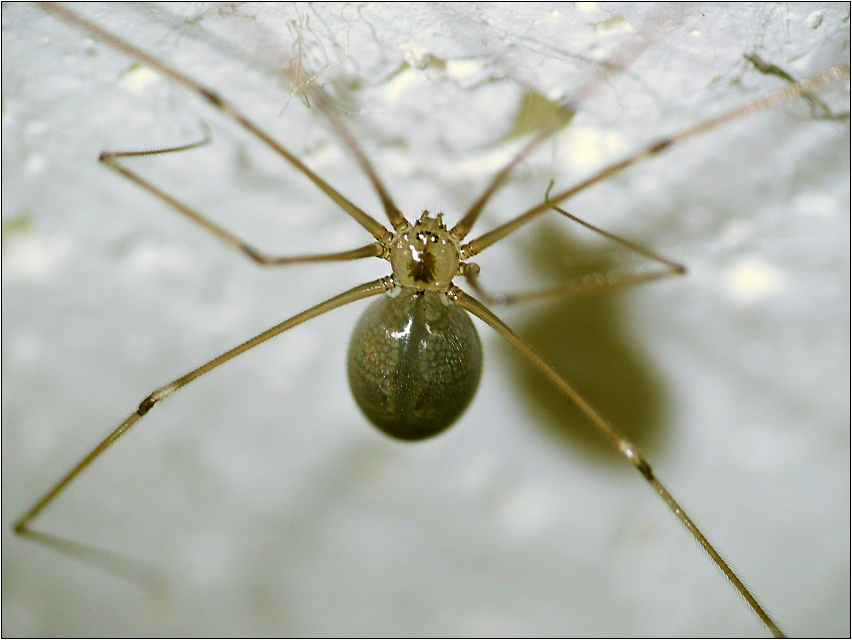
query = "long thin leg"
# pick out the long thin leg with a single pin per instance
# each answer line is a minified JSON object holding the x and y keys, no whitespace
{"x":819,"y":110}
{"x":484,"y":241}
{"x":621,"y":60}
{"x":393,"y":213}
{"x":372,"y":225}
{"x":110,"y":159}
{"x":627,"y":449}
{"x":117,"y":563}
{"x":594,"y":283}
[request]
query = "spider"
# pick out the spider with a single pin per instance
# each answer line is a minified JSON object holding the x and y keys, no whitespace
{"x":491,"y":438}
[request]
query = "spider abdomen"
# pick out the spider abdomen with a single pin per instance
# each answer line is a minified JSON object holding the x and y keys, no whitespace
{"x":414,"y":363}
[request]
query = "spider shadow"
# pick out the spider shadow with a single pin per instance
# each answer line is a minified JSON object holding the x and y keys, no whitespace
{"x":587,"y":341}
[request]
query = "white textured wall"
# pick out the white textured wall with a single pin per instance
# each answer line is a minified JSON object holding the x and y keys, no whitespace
{"x":263,"y":494}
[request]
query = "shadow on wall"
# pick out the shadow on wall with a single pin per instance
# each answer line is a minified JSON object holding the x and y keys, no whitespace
{"x":585,"y":341}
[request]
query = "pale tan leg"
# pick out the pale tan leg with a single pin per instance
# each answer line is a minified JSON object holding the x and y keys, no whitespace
{"x":120,"y":564}
{"x":110,"y":159}
{"x":477,"y":245}
{"x":594,"y":284}
{"x":627,"y":449}
{"x":616,"y":64}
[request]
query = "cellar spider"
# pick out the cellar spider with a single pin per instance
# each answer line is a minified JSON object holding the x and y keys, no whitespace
{"x":550,"y":567}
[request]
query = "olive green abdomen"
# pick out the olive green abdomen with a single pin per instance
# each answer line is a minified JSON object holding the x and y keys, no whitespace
{"x":414,"y":363}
